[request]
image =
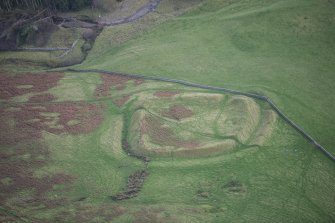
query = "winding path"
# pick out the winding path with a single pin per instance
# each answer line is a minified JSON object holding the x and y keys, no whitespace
{"x":141,"y":12}
{"x":151,"y":6}
{"x":226,"y":90}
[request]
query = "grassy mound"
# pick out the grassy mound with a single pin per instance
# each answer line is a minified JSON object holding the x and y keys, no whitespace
{"x":239,"y":118}
{"x":194,"y":124}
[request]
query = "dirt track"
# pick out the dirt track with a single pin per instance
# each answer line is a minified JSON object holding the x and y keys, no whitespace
{"x":141,"y":12}
{"x":151,"y":6}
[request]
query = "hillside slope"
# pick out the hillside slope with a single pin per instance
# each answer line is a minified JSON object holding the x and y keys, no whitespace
{"x":283,"y":49}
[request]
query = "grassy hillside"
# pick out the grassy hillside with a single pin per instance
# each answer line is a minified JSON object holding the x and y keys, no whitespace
{"x":74,"y":145}
{"x":72,"y":142}
{"x":283,"y":49}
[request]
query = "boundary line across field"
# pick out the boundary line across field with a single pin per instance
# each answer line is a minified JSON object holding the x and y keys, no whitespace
{"x":226,"y":90}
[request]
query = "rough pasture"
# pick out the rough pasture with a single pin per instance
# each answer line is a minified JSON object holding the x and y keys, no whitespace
{"x":19,"y":84}
{"x":121,"y":100}
{"x":163,"y":94}
{"x":29,"y":120}
{"x":178,"y":112}
{"x":116,"y":82}
{"x":162,"y":135}
{"x":40,"y":98}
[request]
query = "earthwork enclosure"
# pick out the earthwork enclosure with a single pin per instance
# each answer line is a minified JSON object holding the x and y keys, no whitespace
{"x":89,"y":142}
{"x":87,"y":145}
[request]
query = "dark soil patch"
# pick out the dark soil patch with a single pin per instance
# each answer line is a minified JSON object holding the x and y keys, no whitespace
{"x":178,"y":112}
{"x":135,"y":183}
{"x":11,"y":86}
{"x":165,"y":94}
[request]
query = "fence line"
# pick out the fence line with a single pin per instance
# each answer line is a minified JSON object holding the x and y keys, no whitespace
{"x":226,"y":90}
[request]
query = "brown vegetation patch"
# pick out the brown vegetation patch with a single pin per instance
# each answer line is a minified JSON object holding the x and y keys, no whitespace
{"x":47,"y":97}
{"x":152,"y":214}
{"x":178,"y":112}
{"x":23,"y":152}
{"x":121,"y":100}
{"x":88,"y":213}
{"x":134,"y":185}
{"x":19,"y":165}
{"x":138,"y":81}
{"x":108,"y":81}
{"x":21,"y":129}
{"x":16,"y":126}
{"x":89,"y":117}
{"x":11,"y":86}
{"x":20,"y":132}
{"x":162,"y":135}
{"x":116,"y":81}
{"x":165,"y":94}
{"x":29,"y":121}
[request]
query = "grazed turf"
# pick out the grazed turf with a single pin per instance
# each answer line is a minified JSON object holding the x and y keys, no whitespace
{"x":271,"y":168}
{"x":284,"y":50}
{"x":273,"y":175}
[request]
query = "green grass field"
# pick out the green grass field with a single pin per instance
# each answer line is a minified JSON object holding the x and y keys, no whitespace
{"x":70,"y":142}
{"x":214,"y":157}
{"x":283,"y":49}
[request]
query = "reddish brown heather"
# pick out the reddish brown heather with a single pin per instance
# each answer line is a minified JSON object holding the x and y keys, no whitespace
{"x":16,"y":127}
{"x":108,"y":81}
{"x":121,"y":100}
{"x":163,"y":136}
{"x":29,"y":121}
{"x":87,"y":213}
{"x":139,"y":81}
{"x":152,"y":214}
{"x":178,"y":112}
{"x":47,"y":97}
{"x":23,"y":152}
{"x":116,"y":81}
{"x":11,"y":86}
{"x":165,"y":94}
{"x":89,"y":117}
{"x":18,"y":166}
{"x":21,"y":129}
